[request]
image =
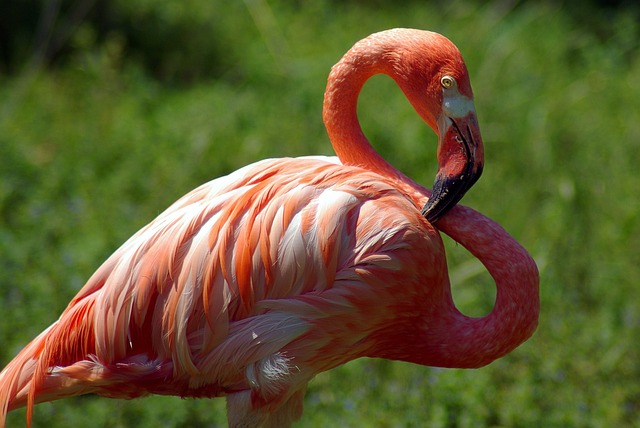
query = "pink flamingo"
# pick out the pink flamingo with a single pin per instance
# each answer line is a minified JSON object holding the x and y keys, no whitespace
{"x":253,"y":283}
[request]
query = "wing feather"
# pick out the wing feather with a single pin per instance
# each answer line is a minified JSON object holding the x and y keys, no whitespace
{"x":238,"y":275}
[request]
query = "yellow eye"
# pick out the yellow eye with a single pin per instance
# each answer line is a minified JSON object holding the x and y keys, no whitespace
{"x":447,"y":81}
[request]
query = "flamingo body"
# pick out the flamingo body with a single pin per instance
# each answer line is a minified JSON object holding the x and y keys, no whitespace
{"x":253,"y":283}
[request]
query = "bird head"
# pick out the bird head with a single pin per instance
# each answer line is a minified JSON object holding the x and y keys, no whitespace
{"x":432,"y":74}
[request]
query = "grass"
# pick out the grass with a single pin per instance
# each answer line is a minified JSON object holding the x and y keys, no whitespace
{"x":93,"y":150}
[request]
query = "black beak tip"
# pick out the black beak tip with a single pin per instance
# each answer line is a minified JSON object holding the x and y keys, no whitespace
{"x":447,"y":192}
{"x":440,"y":201}
{"x":430,"y":214}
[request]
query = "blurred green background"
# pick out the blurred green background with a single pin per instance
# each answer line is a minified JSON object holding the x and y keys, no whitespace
{"x":111,"y":110}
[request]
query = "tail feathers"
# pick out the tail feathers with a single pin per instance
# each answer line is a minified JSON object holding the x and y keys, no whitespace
{"x":40,"y":372}
{"x":29,"y":379}
{"x":16,"y":379}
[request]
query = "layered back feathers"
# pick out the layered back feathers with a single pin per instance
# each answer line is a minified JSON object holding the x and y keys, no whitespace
{"x":196,"y":297}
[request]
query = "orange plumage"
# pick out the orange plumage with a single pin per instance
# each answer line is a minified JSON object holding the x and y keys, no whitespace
{"x":250,"y":285}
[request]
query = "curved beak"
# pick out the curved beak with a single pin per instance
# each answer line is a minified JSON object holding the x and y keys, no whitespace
{"x":460,"y":160}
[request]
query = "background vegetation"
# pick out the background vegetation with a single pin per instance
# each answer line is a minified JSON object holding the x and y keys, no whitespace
{"x":109,"y":111}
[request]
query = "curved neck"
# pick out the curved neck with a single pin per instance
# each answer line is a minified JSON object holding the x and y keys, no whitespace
{"x":475,"y":342}
{"x":453,"y":339}
{"x":340,"y":114}
{"x":340,"y":117}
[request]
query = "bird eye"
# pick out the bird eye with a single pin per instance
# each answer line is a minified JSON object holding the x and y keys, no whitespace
{"x":447,"y":81}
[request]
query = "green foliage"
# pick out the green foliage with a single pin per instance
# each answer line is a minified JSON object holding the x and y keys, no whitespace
{"x":93,"y":149}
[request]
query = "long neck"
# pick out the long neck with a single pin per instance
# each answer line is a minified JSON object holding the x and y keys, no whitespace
{"x":340,"y":112}
{"x":474,"y":342}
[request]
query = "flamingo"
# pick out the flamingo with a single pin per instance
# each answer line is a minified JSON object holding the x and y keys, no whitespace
{"x":253,"y":283}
